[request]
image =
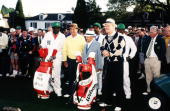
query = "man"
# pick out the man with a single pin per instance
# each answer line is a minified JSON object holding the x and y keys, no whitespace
{"x":113,"y":49}
{"x":99,"y":38}
{"x":55,"y":40}
{"x":4,"y":64}
{"x":154,"y":50}
{"x":18,"y":31}
{"x":130,"y":51}
{"x":92,"y":46}
{"x":167,"y":42}
{"x":74,"y":43}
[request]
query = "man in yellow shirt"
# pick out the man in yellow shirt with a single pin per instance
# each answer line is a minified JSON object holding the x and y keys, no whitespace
{"x":73,"y":44}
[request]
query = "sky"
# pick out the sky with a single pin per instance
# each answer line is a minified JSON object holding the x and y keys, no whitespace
{"x":34,"y":7}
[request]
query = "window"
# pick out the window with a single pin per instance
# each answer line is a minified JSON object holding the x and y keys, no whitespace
{"x":33,"y":24}
{"x":40,"y":17}
{"x":47,"y":24}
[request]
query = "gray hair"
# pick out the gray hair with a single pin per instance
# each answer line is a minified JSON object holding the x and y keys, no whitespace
{"x":155,"y":28}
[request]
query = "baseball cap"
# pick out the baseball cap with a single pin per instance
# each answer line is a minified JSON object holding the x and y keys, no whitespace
{"x":56,"y":24}
{"x":18,"y":27}
{"x":121,"y":26}
{"x":97,"y":24}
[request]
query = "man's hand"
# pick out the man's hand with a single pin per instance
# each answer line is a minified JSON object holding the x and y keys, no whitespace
{"x":106,"y":53}
{"x":30,"y":52}
{"x":65,"y":64}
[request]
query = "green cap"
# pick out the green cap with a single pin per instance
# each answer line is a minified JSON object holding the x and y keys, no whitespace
{"x":97,"y":24}
{"x":121,"y":26}
{"x":56,"y":24}
{"x":18,"y":27}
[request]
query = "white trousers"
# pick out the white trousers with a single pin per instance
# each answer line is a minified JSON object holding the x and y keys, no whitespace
{"x":56,"y":73}
{"x":99,"y":80}
{"x":152,"y":70}
{"x":126,"y":80}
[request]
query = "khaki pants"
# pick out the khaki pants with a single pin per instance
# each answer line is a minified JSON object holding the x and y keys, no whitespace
{"x":152,"y":70}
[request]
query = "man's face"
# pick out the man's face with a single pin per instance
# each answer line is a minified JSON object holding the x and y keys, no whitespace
{"x":109,"y":27}
{"x":56,"y":30}
{"x":40,"y":33}
{"x":73,"y":31}
{"x":24,"y":33}
{"x":96,"y":29}
{"x":153,"y":33}
{"x":167,"y":31}
{"x":18,"y":31}
{"x":89,"y":38}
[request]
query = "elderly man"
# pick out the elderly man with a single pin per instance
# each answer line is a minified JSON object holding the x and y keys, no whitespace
{"x":73,"y":44}
{"x":92,"y":46}
{"x":113,"y":49}
{"x":55,"y":40}
{"x":154,"y":50}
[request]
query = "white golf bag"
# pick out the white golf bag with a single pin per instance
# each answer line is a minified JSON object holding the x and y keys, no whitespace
{"x":42,"y":77}
{"x":86,"y":79}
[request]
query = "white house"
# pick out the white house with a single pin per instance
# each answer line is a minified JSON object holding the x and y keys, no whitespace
{"x":43,"y":21}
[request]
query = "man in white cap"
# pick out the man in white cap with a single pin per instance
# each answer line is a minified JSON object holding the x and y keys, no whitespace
{"x":113,"y":48}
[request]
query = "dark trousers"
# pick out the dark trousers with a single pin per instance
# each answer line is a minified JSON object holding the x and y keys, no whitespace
{"x":113,"y":83}
{"x":4,"y":63}
{"x":72,"y":68}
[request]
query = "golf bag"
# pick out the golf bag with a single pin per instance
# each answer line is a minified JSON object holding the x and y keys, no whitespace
{"x":86,"y":80}
{"x":42,"y":77}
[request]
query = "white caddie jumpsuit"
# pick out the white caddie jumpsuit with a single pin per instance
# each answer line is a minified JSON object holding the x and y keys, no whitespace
{"x":51,"y":43}
{"x":130,"y":51}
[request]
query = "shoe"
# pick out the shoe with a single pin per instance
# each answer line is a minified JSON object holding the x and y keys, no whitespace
{"x":142,"y":76}
{"x":43,"y":96}
{"x":66,"y":95}
{"x":7,"y":75}
{"x":1,"y":75}
{"x":118,"y":109}
{"x":104,"y":105}
{"x":145,"y":93}
{"x":59,"y":94}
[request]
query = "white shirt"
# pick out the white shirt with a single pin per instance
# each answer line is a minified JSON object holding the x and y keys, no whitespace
{"x":88,"y":44}
{"x":99,"y":38}
{"x":3,"y":41}
{"x":130,"y":48}
{"x":153,"y":54}
{"x":51,"y":43}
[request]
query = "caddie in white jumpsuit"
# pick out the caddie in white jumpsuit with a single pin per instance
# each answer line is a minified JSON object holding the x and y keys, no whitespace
{"x":130,"y":51}
{"x":55,"y":40}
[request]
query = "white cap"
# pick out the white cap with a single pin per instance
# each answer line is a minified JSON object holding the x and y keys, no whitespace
{"x":110,"y":20}
{"x":90,"y":33}
{"x":12,"y":30}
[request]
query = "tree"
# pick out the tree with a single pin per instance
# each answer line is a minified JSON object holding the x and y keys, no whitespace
{"x":19,"y":15}
{"x":94,"y":12}
{"x":80,"y":14}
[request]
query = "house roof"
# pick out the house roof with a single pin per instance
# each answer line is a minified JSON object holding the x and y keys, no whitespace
{"x":51,"y":17}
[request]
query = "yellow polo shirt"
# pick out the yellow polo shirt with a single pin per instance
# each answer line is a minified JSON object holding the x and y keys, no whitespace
{"x":73,"y":45}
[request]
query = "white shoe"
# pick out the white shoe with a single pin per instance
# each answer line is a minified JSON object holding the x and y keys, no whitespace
{"x":145,"y":93}
{"x":59,"y":94}
{"x":66,"y":95}
{"x":1,"y":75}
{"x":104,"y":105}
{"x":118,"y":108}
{"x":7,"y":75}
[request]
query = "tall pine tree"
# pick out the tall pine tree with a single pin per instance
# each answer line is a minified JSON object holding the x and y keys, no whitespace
{"x":80,"y":14}
{"x":20,"y":18}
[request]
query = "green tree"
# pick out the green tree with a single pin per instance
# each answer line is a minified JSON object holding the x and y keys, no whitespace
{"x":19,"y":15}
{"x":80,"y":14}
{"x":94,"y":12}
